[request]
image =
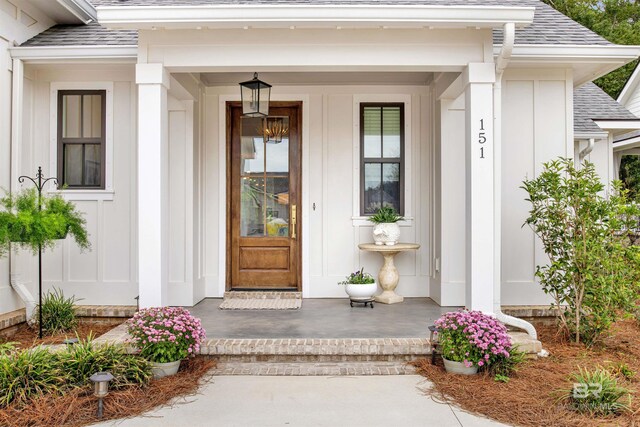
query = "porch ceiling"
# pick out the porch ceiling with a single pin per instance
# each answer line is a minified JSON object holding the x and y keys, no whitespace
{"x":322,"y":78}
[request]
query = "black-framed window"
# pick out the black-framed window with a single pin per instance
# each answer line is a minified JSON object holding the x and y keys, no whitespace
{"x":81,"y":138}
{"x":381,"y":157}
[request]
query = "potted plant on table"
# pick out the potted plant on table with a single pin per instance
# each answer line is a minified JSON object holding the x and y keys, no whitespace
{"x":360,"y":286}
{"x":165,"y":336}
{"x":386,"y":230}
{"x":469,"y":340}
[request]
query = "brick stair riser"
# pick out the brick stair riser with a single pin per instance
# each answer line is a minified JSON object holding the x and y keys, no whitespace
{"x":307,"y":358}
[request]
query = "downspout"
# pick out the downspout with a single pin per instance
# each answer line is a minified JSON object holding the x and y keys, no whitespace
{"x":501,"y":64}
{"x":16,"y":139}
{"x":587,"y":150}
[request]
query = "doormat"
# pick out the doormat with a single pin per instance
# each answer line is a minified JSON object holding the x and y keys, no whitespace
{"x":261,"y":301}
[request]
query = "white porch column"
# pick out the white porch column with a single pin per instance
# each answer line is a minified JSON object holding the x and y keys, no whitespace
{"x":153,"y":184}
{"x":478,"y":81}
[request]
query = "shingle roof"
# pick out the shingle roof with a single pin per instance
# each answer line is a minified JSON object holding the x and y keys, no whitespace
{"x":92,"y":34}
{"x":591,"y":103}
{"x":549,"y":26}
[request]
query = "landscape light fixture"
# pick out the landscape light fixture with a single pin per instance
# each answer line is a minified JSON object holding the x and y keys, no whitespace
{"x":101,"y":387}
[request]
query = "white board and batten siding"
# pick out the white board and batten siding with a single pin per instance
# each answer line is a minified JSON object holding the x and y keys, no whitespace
{"x":536,"y":128}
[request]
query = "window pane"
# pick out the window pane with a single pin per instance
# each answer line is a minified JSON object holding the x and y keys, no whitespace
{"x":372,"y":129}
{"x":391,"y":129}
{"x":92,"y":165}
{"x":391,"y":185}
{"x":73,"y":164}
{"x":372,"y":187}
{"x":71,"y":113}
{"x":91,"y":116}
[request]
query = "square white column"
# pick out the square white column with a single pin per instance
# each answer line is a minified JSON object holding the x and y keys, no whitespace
{"x":478,"y":81}
{"x":153,"y":185}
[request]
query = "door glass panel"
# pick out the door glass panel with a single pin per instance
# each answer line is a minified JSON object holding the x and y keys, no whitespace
{"x":264,"y":200}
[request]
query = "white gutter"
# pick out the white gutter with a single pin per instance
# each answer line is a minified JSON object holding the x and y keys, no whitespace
{"x":81,"y":9}
{"x":587,"y":150}
{"x":315,"y":16}
{"x":76,"y":53}
{"x":571,"y":53}
{"x":501,"y":64}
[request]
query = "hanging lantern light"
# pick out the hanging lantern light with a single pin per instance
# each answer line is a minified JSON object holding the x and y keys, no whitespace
{"x":255,"y":96}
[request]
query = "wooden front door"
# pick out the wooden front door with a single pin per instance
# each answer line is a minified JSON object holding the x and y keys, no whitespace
{"x":263,"y":158}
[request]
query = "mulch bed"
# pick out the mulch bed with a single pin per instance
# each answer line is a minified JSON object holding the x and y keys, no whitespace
{"x":78,"y":407}
{"x":27,"y":336}
{"x":530,"y":398}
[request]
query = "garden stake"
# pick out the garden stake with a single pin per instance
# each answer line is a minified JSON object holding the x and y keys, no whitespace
{"x":39,"y":182}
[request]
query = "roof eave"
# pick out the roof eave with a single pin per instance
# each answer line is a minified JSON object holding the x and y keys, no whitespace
{"x":49,"y":54}
{"x":593,"y":60}
{"x":630,"y":86}
{"x":312,"y":16}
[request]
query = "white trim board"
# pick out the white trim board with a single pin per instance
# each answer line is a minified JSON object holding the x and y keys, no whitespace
{"x":222,"y":189}
{"x":314,"y":16}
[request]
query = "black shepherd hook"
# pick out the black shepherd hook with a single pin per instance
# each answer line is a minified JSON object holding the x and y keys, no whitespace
{"x":39,"y":181}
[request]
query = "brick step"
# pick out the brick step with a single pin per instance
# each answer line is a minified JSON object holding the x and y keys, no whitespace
{"x":314,"y":369}
{"x":318,"y":350}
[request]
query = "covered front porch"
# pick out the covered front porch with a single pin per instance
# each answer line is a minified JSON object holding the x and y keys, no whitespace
{"x":321,"y":318}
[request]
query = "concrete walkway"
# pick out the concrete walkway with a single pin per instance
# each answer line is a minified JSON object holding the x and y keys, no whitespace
{"x":309,"y":401}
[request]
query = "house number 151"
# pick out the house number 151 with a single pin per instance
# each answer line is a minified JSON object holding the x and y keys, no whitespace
{"x":482,"y":138}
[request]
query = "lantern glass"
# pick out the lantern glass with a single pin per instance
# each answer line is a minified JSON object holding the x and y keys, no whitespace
{"x":101,"y":383}
{"x":255,"y":96}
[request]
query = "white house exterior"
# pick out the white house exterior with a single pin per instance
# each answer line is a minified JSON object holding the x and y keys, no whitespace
{"x":485,"y":90}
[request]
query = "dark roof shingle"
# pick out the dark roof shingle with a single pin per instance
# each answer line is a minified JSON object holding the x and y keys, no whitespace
{"x":92,"y":34}
{"x":592,"y":103}
{"x":549,"y":26}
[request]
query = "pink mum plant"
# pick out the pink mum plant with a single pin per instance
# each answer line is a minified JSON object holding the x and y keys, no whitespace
{"x":165,"y":334}
{"x":472,"y":337}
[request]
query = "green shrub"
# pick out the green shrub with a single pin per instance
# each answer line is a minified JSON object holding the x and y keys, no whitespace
{"x":84,"y":359}
{"x":27,"y":374}
{"x":58,"y":312}
{"x":622,"y":371}
{"x":597,"y":393}
{"x":593,"y":271}
{"x":504,"y":367}
{"x":7,"y":348}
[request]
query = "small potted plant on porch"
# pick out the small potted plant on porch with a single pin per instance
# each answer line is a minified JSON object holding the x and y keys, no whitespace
{"x":360,"y":286}
{"x":386,"y":230}
{"x":165,"y":336}
{"x":469,"y":340}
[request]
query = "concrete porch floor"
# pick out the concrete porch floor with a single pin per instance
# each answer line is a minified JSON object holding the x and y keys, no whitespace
{"x":322,"y":318}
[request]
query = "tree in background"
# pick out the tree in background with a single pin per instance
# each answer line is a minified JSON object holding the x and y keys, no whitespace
{"x":619,"y":22}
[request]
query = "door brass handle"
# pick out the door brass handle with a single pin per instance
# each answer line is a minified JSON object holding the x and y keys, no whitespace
{"x":294,"y":220}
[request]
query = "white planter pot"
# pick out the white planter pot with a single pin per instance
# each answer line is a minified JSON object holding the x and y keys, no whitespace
{"x":386,"y":233}
{"x":361,"y":292}
{"x":161,"y":370}
{"x":459,"y":368}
